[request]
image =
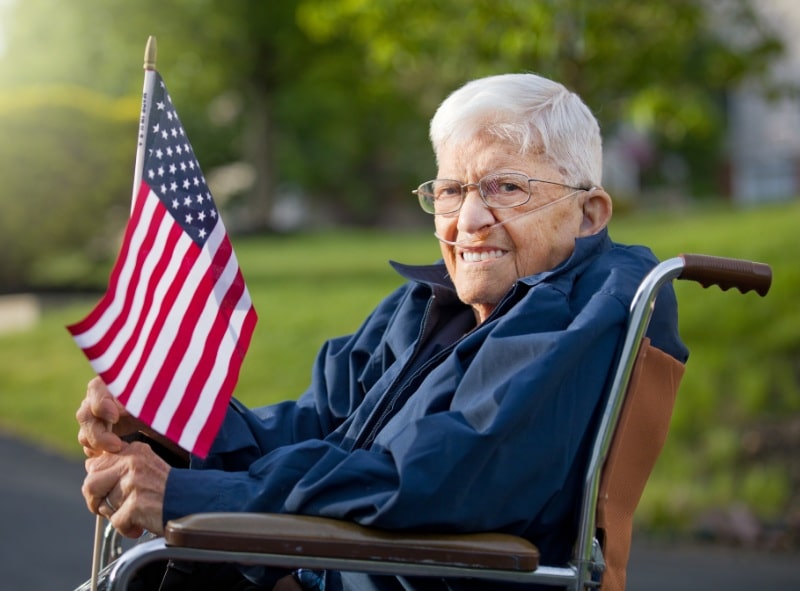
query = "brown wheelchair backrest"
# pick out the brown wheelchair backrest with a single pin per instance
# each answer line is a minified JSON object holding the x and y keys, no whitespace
{"x":638,"y":439}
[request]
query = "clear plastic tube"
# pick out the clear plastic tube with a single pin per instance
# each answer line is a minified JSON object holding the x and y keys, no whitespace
{"x":473,"y":237}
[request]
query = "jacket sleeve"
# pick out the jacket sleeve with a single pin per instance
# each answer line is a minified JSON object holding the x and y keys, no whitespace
{"x":248,"y":434}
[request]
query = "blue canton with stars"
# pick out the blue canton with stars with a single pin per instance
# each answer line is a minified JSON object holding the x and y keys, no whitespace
{"x":172,"y":171}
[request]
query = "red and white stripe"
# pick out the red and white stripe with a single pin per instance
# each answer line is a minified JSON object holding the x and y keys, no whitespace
{"x":170,"y":334}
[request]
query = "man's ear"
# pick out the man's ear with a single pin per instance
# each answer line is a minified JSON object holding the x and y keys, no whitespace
{"x":597,"y":210}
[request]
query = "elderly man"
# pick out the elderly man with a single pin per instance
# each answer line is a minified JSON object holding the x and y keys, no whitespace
{"x":464,"y":401}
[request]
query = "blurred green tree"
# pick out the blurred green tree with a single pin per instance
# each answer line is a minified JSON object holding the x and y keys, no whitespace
{"x":332,"y":96}
{"x":66,"y":163}
{"x":663,"y":66}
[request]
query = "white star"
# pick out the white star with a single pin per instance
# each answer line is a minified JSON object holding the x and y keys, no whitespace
{"x":199,"y":198}
{"x":201,"y":216}
{"x":160,"y":105}
{"x":186,"y":183}
{"x":159,"y":154}
{"x":187,"y":201}
{"x":160,"y":171}
{"x":175,"y":203}
{"x":202,"y":233}
{"x":151,"y":173}
{"x":156,"y":128}
{"x":172,"y":169}
{"x":169,"y":151}
{"x":173,"y":186}
{"x":164,"y":134}
{"x":189,"y":218}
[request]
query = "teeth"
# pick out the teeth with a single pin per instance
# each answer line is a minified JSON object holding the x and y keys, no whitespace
{"x":485,"y":255}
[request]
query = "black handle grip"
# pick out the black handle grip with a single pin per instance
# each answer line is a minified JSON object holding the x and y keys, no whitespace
{"x":726,"y":273}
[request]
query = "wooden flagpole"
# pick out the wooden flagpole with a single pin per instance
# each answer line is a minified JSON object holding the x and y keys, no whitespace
{"x":150,"y":54}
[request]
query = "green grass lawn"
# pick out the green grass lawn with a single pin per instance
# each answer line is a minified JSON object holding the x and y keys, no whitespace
{"x":743,"y":372}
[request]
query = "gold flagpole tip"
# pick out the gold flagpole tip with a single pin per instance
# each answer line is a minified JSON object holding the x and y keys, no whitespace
{"x":150,"y":53}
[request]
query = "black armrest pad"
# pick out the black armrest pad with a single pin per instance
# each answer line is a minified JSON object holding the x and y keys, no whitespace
{"x":300,"y":535}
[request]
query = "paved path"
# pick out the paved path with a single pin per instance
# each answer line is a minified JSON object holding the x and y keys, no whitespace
{"x":47,"y":532}
{"x":46,"y":541}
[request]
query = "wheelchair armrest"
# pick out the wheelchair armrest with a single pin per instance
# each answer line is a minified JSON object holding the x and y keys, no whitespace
{"x":300,"y":535}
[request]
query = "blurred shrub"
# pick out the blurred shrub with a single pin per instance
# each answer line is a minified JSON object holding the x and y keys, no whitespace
{"x":733,"y":437}
{"x":66,"y":163}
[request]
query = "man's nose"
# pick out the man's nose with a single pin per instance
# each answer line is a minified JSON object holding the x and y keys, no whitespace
{"x":474,"y":213}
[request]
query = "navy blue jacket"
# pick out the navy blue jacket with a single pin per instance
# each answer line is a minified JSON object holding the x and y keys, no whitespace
{"x":423,"y":421}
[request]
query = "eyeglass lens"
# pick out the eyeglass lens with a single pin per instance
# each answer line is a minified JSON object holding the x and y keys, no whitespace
{"x":497,"y":190}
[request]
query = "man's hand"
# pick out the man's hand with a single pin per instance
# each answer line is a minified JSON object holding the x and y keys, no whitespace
{"x":127,"y":488}
{"x":102,"y":419}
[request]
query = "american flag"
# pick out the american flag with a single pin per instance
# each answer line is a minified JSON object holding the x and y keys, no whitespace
{"x":169,"y":336}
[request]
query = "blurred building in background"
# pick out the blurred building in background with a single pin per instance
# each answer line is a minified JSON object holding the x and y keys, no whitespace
{"x":763,"y":134}
{"x":762,"y":150}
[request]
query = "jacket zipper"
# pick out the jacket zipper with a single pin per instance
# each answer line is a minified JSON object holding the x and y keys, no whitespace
{"x":378,"y":416}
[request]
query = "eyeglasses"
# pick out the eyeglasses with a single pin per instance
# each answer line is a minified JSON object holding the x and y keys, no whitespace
{"x":497,"y":190}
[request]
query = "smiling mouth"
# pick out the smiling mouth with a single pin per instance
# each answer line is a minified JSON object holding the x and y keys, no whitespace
{"x":475,"y":256}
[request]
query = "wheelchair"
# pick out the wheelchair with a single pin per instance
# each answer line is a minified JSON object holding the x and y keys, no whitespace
{"x":629,"y":438}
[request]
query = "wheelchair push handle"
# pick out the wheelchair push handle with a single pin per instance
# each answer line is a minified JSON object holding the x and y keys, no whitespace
{"x":726,"y":273}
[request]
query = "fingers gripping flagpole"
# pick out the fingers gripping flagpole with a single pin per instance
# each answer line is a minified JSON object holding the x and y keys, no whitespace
{"x":150,"y":55}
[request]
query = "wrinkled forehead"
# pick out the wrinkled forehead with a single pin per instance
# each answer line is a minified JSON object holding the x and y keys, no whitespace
{"x":485,"y":152}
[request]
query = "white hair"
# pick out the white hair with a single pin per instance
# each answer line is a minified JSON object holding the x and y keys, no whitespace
{"x":535,"y":113}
